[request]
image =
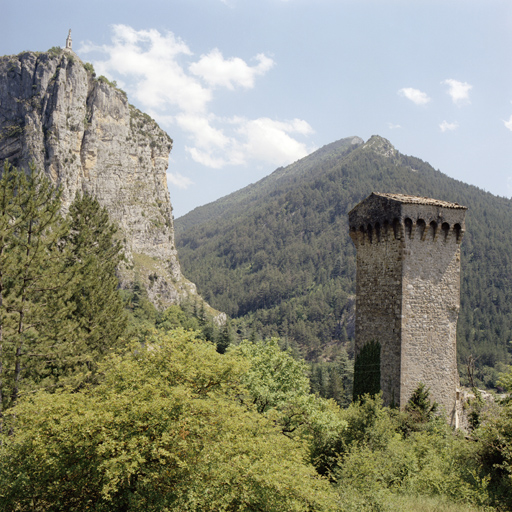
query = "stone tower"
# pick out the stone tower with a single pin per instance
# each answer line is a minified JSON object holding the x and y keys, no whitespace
{"x":69,"y":42}
{"x":408,"y":295}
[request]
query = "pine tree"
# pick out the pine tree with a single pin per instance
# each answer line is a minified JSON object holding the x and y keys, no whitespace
{"x":97,"y":306}
{"x":60,"y":311}
{"x":224,"y":339}
{"x":419,"y":405}
{"x":33,"y":281}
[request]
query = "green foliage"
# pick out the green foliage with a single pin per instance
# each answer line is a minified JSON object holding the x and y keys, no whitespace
{"x":98,"y":310}
{"x":105,"y":80}
{"x":419,"y":405}
{"x":376,"y":463}
{"x":334,"y":379}
{"x":274,"y":378}
{"x":54,"y":51}
{"x":369,"y":424}
{"x":278,"y":387}
{"x":142,"y":313}
{"x":474,"y":407}
{"x":144,"y":318}
{"x":34,"y":282}
{"x":60,"y":312}
{"x":367,"y":370}
{"x":89,"y":68}
{"x":175,"y":317}
{"x":505,"y":381}
{"x":111,"y":83}
{"x":494,"y":451}
{"x":163,"y":431}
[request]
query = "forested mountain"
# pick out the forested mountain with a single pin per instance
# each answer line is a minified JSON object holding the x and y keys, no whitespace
{"x":277,"y":257}
{"x":281,"y":180}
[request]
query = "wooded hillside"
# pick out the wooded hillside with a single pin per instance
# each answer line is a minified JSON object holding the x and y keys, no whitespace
{"x":276,"y":256}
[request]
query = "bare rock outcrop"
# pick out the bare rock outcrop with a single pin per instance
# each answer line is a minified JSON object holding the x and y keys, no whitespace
{"x":82,"y":133}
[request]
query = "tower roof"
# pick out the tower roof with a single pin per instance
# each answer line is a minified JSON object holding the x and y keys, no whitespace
{"x":405,"y":199}
{"x":383,"y":207}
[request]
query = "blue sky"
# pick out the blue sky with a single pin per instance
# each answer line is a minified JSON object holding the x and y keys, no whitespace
{"x":245,"y":86}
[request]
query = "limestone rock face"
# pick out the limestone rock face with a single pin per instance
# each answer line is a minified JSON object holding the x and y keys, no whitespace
{"x":83,"y":133}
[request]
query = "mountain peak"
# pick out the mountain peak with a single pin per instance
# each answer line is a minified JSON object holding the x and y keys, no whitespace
{"x":381,"y":146}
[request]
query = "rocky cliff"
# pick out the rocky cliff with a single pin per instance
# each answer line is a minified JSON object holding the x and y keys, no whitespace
{"x":82,"y":132}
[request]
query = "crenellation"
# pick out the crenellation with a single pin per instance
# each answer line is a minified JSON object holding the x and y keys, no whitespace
{"x":445,"y":227}
{"x":406,"y":229}
{"x":459,"y":232}
{"x":408,"y":289}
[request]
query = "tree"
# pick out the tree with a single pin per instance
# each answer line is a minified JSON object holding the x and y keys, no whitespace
{"x":505,"y":381}
{"x":60,"y":311}
{"x":278,"y":387}
{"x":174,"y":317}
{"x":34,"y":281}
{"x":98,"y":310}
{"x":419,"y":405}
{"x":274,"y":378}
{"x":225,"y":338}
{"x":163,"y":431}
{"x":367,"y":370}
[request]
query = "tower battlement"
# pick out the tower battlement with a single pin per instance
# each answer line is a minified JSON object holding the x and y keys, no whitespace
{"x":407,"y":228}
{"x":408,"y":294}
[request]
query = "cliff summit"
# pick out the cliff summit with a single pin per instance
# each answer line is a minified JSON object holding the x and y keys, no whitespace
{"x":81,"y":132}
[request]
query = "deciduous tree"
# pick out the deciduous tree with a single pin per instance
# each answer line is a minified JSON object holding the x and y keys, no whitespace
{"x":163,"y":431}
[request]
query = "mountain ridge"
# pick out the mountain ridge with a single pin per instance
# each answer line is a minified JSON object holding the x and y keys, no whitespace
{"x":279,"y":177}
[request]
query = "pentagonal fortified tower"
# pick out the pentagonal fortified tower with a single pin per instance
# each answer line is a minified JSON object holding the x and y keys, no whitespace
{"x":408,"y":295}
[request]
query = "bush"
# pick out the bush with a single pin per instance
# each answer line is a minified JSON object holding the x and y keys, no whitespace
{"x":163,"y":431}
{"x":89,"y":68}
{"x":378,"y":460}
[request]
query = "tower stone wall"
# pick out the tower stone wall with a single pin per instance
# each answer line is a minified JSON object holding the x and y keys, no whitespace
{"x":408,"y":293}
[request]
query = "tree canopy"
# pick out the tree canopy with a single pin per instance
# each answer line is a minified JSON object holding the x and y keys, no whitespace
{"x":60,"y":311}
{"x":164,"y":430}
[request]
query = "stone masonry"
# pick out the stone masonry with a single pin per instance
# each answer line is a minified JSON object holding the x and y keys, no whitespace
{"x":408,"y":293}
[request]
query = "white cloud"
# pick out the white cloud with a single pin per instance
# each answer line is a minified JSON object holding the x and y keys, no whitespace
{"x":207,"y":158}
{"x":270,"y":140}
{"x":415,"y":95}
{"x":161,"y":73}
{"x":150,"y":62}
{"x":448,"y":127}
{"x":178,"y":180}
{"x":217,"y":71}
{"x":392,"y":126}
{"x":205,"y":134}
{"x":210,"y":145}
{"x":508,"y":123}
{"x":458,"y":91}
{"x":241,"y":140}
